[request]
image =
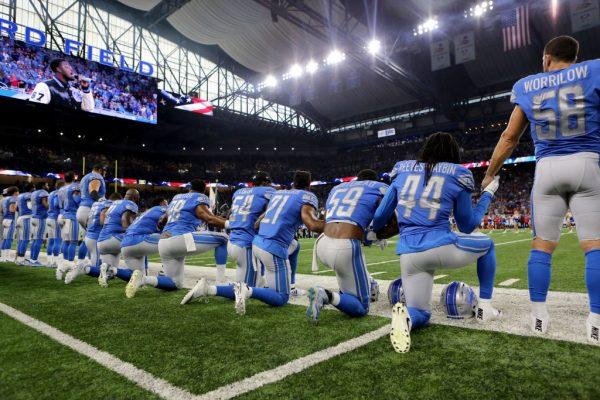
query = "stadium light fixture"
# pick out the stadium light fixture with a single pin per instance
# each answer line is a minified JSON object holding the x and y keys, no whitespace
{"x":143,"y":144}
{"x":202,"y":148}
{"x":183,"y":149}
{"x":428,"y":26}
{"x":100,"y":139}
{"x":312,"y":67}
{"x":258,"y":148}
{"x":374,"y":46}
{"x":296,"y":71}
{"x":293,"y":148}
{"x":239,"y":148}
{"x":270,"y":81}
{"x":78,"y":136}
{"x":61,"y":134}
{"x":39,"y":131}
{"x":479,"y":9}
{"x":335,"y":57}
{"x":275,"y":148}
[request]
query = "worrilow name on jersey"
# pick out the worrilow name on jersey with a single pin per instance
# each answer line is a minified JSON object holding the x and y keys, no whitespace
{"x":565,"y":76}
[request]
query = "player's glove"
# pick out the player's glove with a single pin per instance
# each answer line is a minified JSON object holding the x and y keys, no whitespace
{"x":493,"y":186}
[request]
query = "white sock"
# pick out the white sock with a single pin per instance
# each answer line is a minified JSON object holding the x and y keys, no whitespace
{"x":594,"y":319}
{"x":150,"y":280}
{"x":212,"y":290}
{"x":221,"y":272}
{"x":539,"y":309}
{"x":335,"y":298}
{"x":485,"y":300}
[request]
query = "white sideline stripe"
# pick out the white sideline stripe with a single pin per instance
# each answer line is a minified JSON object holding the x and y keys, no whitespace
{"x":378,"y":273}
{"x":169,"y":392}
{"x":435,"y":278}
{"x":293,"y":367}
{"x":509,"y":282}
{"x":385,"y":262}
{"x":513,"y":241}
{"x":140,"y":377}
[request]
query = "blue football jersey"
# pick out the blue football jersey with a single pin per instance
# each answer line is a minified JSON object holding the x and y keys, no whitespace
{"x":53,"y":206}
{"x":93,"y":223}
{"x":282,"y":219}
{"x":69,"y":199}
{"x":22,"y":204}
{"x":147,"y":223}
{"x":86,"y":200}
{"x":7,"y":201}
{"x":248,"y":204}
{"x":38,"y":210}
{"x":182,"y":213}
{"x":563,"y":108}
{"x":113,"y":227}
{"x":354,"y":202}
{"x":423,"y":210}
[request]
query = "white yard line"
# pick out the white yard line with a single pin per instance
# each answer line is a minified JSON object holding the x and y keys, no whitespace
{"x":435,"y":278}
{"x":168,"y":391}
{"x":509,"y":282}
{"x":378,"y":273}
{"x":140,"y":377}
{"x":293,"y":367}
{"x":513,"y":241}
{"x":385,"y":262}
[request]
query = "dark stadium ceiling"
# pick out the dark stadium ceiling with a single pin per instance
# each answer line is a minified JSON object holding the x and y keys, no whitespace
{"x":268,"y":36}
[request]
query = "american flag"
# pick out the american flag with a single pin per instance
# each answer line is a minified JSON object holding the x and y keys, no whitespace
{"x":515,"y":28}
{"x":187,"y":103}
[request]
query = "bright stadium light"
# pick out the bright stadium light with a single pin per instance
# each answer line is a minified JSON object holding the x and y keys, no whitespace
{"x":428,"y":26}
{"x":295,"y":71}
{"x":374,"y":46}
{"x":270,"y":81}
{"x":479,"y":9}
{"x":335,"y":57}
{"x":312,"y":67}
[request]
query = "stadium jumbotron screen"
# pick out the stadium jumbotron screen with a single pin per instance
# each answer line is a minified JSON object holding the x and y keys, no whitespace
{"x":46,"y":76}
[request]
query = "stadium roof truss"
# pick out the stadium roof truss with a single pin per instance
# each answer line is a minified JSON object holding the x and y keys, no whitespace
{"x":179,"y":69}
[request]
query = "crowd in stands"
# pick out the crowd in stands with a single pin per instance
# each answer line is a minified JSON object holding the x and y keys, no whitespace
{"x":513,"y":193}
{"x":22,"y":66}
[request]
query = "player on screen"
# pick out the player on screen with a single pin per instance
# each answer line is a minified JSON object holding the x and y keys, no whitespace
{"x":423,"y":194}
{"x":9,"y":209}
{"x":181,"y":238}
{"x":58,"y":90}
{"x":562,"y":107}
{"x":115,"y":220}
{"x":350,"y":208}
{"x":286,"y":210}
{"x":248,"y":204}
{"x":39,"y":213}
{"x":23,"y":223}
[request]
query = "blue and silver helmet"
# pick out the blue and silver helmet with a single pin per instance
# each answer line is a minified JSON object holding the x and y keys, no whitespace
{"x":396,"y":293}
{"x":459,"y":300}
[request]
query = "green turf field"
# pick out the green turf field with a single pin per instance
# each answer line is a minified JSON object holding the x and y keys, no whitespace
{"x":512,"y":252}
{"x":205,"y":345}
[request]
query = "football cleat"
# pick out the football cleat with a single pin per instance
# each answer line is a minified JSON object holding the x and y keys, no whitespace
{"x":74,"y":273}
{"x":592,"y":332}
{"x":539,"y":324}
{"x":35,"y":263}
{"x":400,"y":333}
{"x":241,"y":292}
{"x":103,"y":277}
{"x":485,"y":312}
{"x":317,"y":298}
{"x":200,"y":289}
{"x":60,"y":271}
{"x":135,"y":283}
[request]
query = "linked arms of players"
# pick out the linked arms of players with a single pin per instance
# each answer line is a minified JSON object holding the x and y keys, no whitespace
{"x":204,"y":213}
{"x":468,"y":218}
{"x":507,"y":144}
{"x":310,"y":219}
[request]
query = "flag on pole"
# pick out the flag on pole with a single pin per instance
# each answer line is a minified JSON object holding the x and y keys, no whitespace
{"x":515,"y":28}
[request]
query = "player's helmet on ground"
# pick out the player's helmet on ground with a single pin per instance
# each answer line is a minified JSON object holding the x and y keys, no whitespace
{"x":396,"y":293}
{"x":459,"y":300}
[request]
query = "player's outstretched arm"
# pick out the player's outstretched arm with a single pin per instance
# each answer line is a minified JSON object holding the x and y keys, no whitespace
{"x":507,"y":143}
{"x":385,"y":210}
{"x":468,"y":218}
{"x":203,"y":212}
{"x":310,"y":219}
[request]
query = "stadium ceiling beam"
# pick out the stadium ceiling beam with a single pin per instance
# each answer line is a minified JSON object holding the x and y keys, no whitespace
{"x":161,"y":11}
{"x":314,"y":23}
